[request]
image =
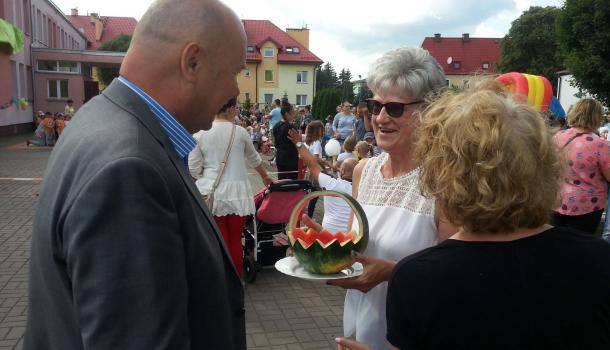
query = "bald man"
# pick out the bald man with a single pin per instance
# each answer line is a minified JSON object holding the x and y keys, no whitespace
{"x":125,"y":254}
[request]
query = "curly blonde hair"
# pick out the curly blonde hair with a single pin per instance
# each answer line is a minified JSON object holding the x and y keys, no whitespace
{"x":587,"y":115}
{"x":489,"y":161}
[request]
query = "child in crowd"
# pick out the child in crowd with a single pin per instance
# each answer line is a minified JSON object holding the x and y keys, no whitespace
{"x":49,"y":128}
{"x":39,"y":136}
{"x":60,"y":124}
{"x":348,"y":151}
{"x":369,"y":137}
{"x":363,"y":150}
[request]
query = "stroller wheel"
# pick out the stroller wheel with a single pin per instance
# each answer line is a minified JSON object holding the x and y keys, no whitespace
{"x":250,"y":269}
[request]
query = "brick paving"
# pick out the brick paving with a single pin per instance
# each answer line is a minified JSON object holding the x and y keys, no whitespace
{"x":281,"y":312}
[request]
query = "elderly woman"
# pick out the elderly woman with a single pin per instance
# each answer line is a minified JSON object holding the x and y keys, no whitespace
{"x":584,"y":191}
{"x":401,"y":220}
{"x":506,"y":279}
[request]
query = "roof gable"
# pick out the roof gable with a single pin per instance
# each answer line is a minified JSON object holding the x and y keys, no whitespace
{"x":259,"y":32}
{"x":113,"y":27}
{"x":464,"y":57}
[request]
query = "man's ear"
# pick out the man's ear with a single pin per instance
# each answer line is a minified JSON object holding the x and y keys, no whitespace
{"x":191,"y":61}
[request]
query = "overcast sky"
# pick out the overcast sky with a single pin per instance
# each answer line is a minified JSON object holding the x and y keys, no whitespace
{"x":351,"y":34}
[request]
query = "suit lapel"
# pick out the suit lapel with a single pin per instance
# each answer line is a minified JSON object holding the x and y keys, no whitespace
{"x":126,"y":99}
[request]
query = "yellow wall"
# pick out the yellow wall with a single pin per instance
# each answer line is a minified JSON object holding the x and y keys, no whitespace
{"x":268,"y":63}
{"x":247,"y":84}
{"x":288,"y":81}
{"x":284,"y":79}
{"x":300,"y":35}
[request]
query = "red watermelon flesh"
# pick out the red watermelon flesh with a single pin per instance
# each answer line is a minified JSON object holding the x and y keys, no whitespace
{"x":325,"y":237}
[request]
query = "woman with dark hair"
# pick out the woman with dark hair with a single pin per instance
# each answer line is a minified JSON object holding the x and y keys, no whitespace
{"x":287,"y":157}
{"x":584,"y":191}
{"x":232,"y":200}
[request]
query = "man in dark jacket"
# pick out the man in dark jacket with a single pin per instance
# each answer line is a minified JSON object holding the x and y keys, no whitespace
{"x":125,"y":255}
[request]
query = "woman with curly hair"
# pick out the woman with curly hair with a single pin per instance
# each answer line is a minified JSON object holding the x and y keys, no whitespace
{"x":584,"y":190}
{"x":506,"y":279}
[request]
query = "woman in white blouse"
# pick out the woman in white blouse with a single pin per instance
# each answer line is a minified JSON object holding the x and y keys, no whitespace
{"x":401,"y":220}
{"x":233,"y":199}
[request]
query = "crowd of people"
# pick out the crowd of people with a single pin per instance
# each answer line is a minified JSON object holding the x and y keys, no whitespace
{"x":481,"y":216}
{"x":49,"y":126}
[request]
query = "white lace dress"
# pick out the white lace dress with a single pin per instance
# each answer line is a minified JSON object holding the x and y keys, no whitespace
{"x":401,"y":222}
{"x":233,"y":194}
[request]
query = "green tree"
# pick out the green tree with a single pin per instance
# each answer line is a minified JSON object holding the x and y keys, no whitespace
{"x":325,"y":102}
{"x":326,"y":77}
{"x":363,"y":93}
{"x":245,"y":112}
{"x":118,"y":44}
{"x":531,"y":45}
{"x":583,"y":31}
{"x":346,"y":87}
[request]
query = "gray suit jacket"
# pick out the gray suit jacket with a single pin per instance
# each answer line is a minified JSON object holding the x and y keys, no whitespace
{"x":125,"y":255}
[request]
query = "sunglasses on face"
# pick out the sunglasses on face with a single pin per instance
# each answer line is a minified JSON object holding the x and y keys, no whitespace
{"x":393,"y":109}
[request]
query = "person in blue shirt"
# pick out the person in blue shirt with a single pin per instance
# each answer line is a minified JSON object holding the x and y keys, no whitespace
{"x":363,"y":121}
{"x":275,"y":114}
{"x":344,"y":122}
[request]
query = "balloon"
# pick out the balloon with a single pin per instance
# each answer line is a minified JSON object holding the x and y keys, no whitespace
{"x":536,"y":88}
{"x":332,"y":148}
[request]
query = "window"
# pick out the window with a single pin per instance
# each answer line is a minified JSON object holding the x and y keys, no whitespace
{"x":59,"y":66}
{"x":268,"y":75}
{"x":447,"y":81}
{"x":246,"y":72}
{"x":457,"y":65}
{"x":268,"y":52}
{"x":57,"y":88}
{"x":251,"y":48}
{"x":292,"y":49}
{"x":268,"y":98}
{"x":302,"y":77}
{"x":485,"y":65}
{"x":301,"y":100}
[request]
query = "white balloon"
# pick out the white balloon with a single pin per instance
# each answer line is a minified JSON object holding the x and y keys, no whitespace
{"x":332,"y":148}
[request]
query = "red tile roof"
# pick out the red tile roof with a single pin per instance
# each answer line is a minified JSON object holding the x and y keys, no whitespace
{"x":113,"y":27}
{"x":471,"y":54}
{"x":261,"y":31}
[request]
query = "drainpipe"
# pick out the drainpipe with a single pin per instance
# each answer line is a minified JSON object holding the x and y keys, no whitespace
{"x":256,"y":83}
{"x":34,"y":66}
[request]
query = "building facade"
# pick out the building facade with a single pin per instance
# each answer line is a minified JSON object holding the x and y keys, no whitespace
{"x":278,"y":64}
{"x":465,"y":60}
{"x":56,"y":63}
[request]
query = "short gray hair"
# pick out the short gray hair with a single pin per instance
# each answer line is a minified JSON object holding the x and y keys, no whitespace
{"x":412,"y":70}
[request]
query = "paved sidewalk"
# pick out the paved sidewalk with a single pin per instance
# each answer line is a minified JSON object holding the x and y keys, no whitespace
{"x":281,"y":312}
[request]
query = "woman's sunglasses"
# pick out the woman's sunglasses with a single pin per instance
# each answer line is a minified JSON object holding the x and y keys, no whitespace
{"x":393,"y":109}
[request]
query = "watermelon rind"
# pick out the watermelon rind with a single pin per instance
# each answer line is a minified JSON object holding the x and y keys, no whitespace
{"x":330,"y":258}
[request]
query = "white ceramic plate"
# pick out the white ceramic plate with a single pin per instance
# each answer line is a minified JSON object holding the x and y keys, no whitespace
{"x":290,"y":266}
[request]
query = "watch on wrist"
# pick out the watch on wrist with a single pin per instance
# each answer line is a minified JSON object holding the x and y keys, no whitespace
{"x":299,"y":144}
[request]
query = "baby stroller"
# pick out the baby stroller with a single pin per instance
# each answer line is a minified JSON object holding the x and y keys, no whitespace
{"x":264,"y":243}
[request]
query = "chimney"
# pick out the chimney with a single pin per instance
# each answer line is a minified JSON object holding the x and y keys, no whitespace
{"x":301,"y":35}
{"x":437,"y":37}
{"x":99,"y":25}
{"x":465,"y":37}
{"x":74,"y":11}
